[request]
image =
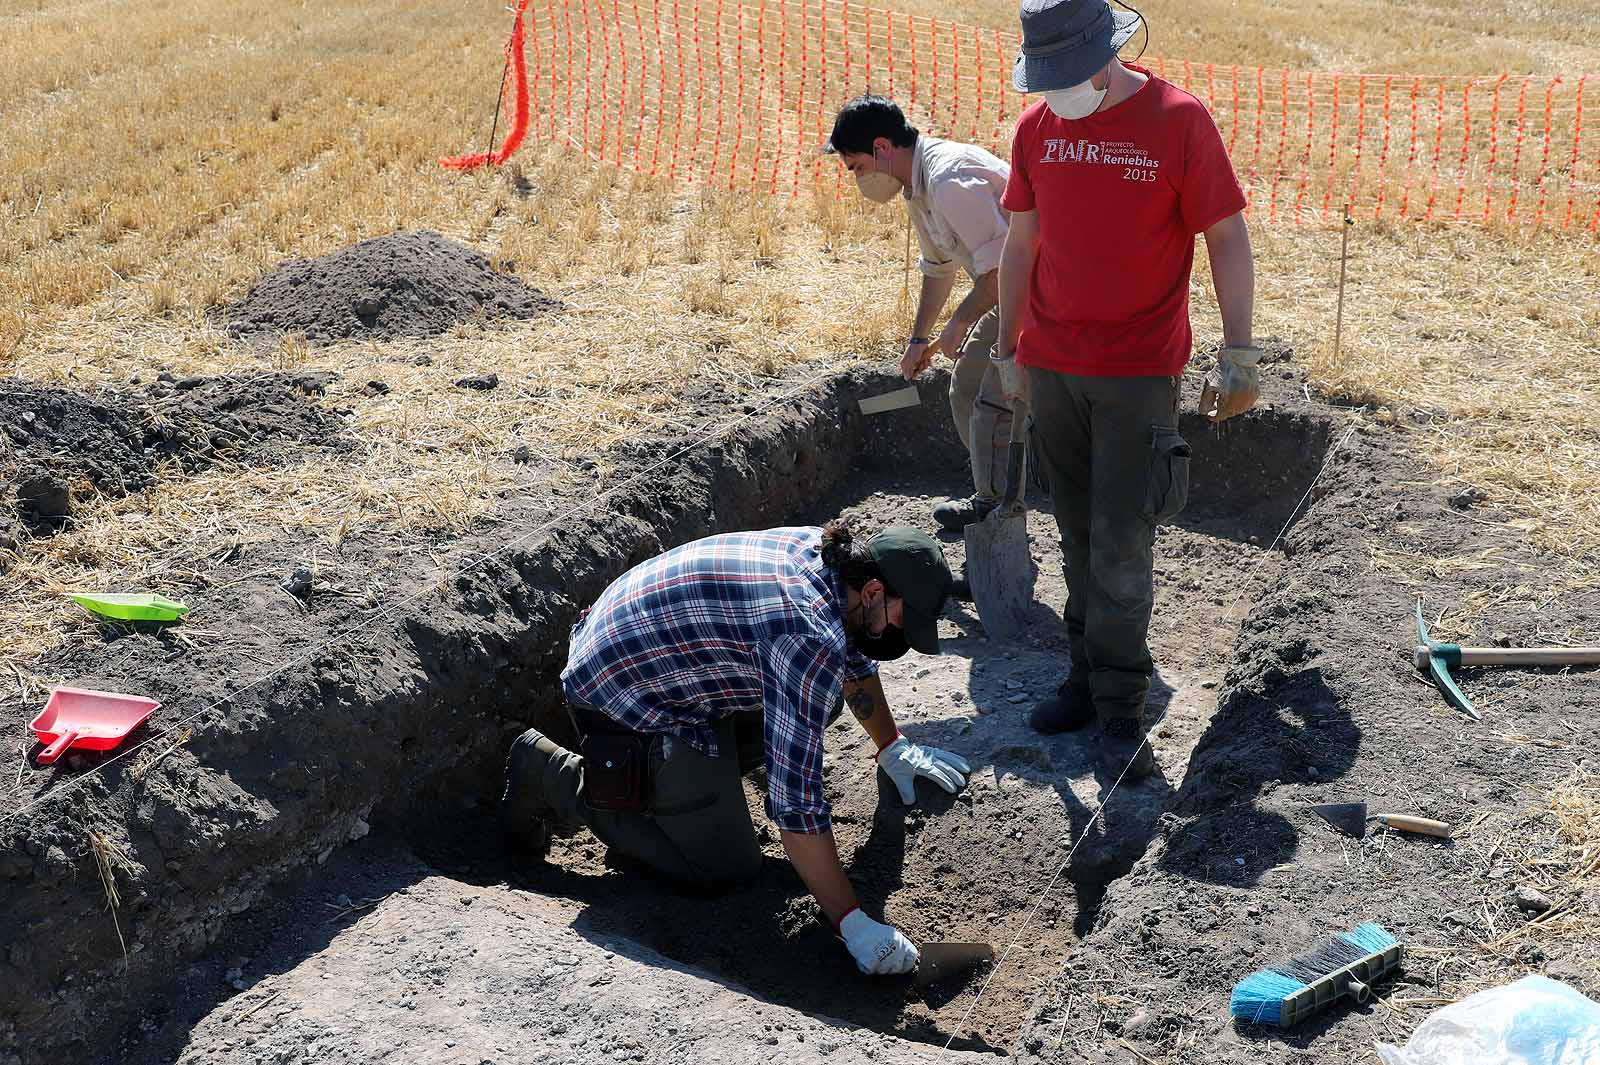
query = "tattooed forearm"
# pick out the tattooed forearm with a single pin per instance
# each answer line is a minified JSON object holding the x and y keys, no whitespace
{"x":871,"y":709}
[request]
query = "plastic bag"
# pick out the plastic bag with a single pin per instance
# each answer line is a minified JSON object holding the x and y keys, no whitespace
{"x":1535,"y":1021}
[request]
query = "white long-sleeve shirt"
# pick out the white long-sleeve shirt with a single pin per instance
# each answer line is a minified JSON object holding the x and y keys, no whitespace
{"x":954,"y":203}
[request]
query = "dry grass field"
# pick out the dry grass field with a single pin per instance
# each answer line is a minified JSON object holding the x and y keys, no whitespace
{"x":157,"y":157}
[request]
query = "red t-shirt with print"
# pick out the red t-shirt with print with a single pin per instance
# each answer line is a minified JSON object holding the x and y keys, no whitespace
{"x":1120,"y":195}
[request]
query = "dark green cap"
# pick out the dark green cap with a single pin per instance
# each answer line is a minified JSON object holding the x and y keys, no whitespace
{"x":915,"y":569}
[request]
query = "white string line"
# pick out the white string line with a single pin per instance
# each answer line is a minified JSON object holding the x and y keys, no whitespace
{"x":473,"y":562}
{"x":1044,"y":895}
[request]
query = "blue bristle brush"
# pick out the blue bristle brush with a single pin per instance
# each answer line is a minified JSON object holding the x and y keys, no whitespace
{"x":1345,"y":964}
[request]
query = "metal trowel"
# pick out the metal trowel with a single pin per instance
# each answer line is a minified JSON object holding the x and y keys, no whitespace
{"x":1351,"y":818}
{"x":943,"y":961}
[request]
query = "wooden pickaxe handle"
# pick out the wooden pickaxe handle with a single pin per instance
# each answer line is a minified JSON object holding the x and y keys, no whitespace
{"x":1408,"y":823}
{"x":1512,"y":656}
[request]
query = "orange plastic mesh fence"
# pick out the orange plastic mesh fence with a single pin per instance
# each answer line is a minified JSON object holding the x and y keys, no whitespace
{"x":743,"y":95}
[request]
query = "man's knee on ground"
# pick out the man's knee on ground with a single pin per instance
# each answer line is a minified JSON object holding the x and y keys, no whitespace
{"x":730,"y":870}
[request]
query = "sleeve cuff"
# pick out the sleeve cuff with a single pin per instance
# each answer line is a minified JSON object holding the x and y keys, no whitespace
{"x":867,"y":668}
{"x":803,"y":824}
{"x":1218,"y":215}
{"x":987,"y":257}
{"x":1017,"y":204}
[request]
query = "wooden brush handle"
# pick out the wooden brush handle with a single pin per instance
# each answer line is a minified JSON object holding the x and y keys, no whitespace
{"x":1407,"y":823}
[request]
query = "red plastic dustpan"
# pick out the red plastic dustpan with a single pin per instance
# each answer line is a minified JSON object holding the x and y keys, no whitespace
{"x":94,"y":721}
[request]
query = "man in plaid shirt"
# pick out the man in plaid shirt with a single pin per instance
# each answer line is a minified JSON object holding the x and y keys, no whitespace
{"x":722,"y":655}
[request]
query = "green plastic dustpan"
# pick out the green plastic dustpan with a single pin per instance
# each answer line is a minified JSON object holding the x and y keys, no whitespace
{"x":131,"y":606}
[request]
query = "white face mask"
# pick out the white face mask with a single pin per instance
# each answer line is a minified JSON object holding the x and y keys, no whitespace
{"x":877,"y":186}
{"x":1075,"y":101}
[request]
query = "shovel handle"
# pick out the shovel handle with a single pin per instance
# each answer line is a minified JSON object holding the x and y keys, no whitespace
{"x":1408,"y":823}
{"x":56,"y":748}
{"x":1511,"y":656}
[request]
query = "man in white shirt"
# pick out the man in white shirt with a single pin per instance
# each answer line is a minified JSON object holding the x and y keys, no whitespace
{"x":952,"y":193}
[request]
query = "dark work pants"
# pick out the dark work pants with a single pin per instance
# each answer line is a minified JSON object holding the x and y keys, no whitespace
{"x":1117,"y":468}
{"x":696,"y":825}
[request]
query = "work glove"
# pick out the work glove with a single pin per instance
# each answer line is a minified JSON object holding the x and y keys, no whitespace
{"x":1011,"y":376}
{"x":879,"y":949}
{"x":904,"y":761}
{"x":1233,"y":386}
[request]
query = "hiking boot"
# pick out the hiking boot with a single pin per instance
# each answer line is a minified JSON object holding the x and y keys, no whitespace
{"x":957,"y":514}
{"x":1124,"y":750}
{"x":1069,"y":709}
{"x":525,"y":816}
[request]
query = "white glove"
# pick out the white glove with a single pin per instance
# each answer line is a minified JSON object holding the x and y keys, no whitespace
{"x":1233,"y":387}
{"x":1011,"y":382}
{"x":904,"y":761}
{"x":879,"y":949}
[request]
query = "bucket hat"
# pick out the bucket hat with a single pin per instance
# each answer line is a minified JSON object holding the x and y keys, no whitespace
{"x":1067,"y":42}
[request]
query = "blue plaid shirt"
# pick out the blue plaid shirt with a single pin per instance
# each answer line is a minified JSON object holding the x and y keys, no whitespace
{"x":740,"y":622}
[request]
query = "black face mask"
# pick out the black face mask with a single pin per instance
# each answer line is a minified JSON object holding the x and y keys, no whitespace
{"x":887,"y":646}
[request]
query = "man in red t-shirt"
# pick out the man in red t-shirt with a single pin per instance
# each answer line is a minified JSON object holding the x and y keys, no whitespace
{"x":1113,"y":174}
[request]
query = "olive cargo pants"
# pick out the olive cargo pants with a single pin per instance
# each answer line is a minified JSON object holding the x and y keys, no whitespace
{"x":695,"y":826}
{"x":1117,"y":468}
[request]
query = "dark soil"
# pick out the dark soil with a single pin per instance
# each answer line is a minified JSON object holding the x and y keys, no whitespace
{"x":115,"y":440}
{"x":304,"y":742}
{"x":1322,"y":704}
{"x":1213,"y":867}
{"x":406,"y":284}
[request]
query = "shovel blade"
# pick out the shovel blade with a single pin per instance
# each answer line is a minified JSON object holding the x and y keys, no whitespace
{"x":1348,"y":817}
{"x":1001,"y":572}
{"x":941,"y":961}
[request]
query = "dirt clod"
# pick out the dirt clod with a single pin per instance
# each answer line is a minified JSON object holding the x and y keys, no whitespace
{"x":40,"y":495}
{"x":480,"y":382}
{"x":298,"y":583}
{"x":406,"y":284}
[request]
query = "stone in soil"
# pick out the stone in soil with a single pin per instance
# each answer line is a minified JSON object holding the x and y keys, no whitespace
{"x":406,"y":284}
{"x":1530,"y":899}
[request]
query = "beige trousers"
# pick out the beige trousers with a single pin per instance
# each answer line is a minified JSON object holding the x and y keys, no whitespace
{"x":982,"y":416}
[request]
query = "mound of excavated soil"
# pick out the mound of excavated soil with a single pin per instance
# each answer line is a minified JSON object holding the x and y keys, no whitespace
{"x":116,"y":438}
{"x":407,"y":284}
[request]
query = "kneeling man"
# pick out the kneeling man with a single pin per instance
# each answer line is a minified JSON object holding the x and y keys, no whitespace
{"x":726,"y":653}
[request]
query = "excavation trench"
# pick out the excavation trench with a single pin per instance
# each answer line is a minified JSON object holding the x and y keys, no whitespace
{"x":403,"y":733}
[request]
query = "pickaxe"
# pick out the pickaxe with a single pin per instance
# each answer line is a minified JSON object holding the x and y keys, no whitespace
{"x":1440,"y":658}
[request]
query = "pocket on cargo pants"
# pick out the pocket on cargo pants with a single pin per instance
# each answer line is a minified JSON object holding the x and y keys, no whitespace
{"x":1168,"y":489}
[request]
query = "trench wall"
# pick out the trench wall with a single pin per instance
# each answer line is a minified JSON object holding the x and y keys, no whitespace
{"x":382,"y":725}
{"x":415,"y":713}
